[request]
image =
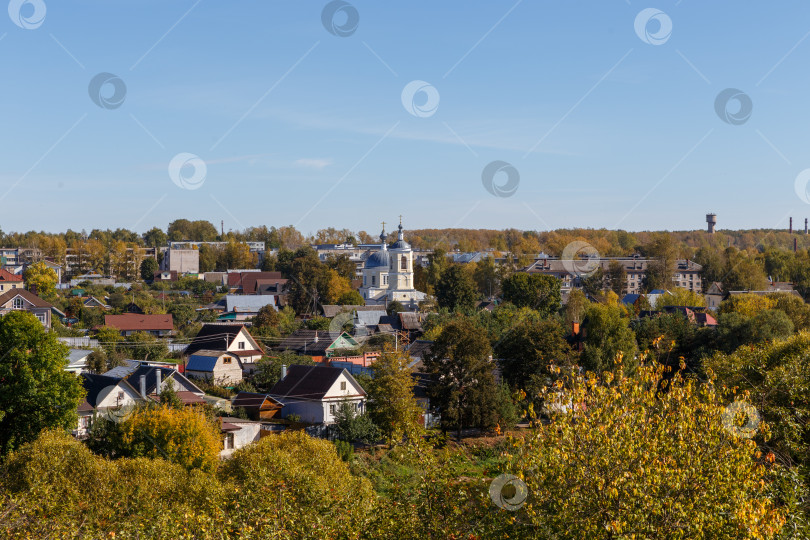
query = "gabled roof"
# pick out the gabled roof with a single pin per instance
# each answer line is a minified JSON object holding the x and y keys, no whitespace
{"x":206,"y":360}
{"x":312,"y":342}
{"x":217,"y":337}
{"x":370,"y":318}
{"x":253,"y":400}
{"x":91,"y":300}
{"x":420,"y":348}
{"x":310,"y":382}
{"x":410,"y":321}
{"x":330,"y":311}
{"x":5,"y":275}
{"x":94,"y":384}
{"x":134,"y":378}
{"x":119,"y":372}
{"x":247,"y":280}
{"x":77,"y":355}
{"x":137,"y":321}
{"x":33,"y":299}
{"x":248,"y":303}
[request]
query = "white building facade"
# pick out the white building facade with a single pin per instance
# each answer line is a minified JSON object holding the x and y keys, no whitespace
{"x":388,"y":274}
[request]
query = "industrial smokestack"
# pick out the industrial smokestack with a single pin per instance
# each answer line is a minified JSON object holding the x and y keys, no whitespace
{"x":143,"y":386}
{"x":805,"y":225}
{"x":794,"y":244}
{"x":790,"y":230}
{"x":157,"y":379}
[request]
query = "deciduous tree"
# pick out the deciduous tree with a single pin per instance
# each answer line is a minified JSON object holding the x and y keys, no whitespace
{"x":36,"y":392}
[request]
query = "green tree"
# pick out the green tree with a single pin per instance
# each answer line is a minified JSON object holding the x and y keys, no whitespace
{"x":735,"y":330}
{"x":208,"y":258}
{"x":353,"y":426}
{"x":155,"y":237}
{"x":575,"y":307}
{"x":681,"y":473}
{"x":148,"y":268}
{"x":775,"y":379}
{"x":617,"y":277}
{"x":266,"y":318}
{"x":37,"y":393}
{"x":594,"y":283}
{"x":456,"y":289}
{"x":608,"y":337}
{"x":529,"y":352}
{"x":108,"y":338}
{"x":462,"y":384}
{"x":535,"y":291}
{"x":351,"y":298}
{"x":394,"y":307}
{"x":487,"y":278}
{"x":97,"y":362}
{"x":392,"y":404}
{"x":41,"y":278}
{"x":144,"y":346}
{"x":268,"y":368}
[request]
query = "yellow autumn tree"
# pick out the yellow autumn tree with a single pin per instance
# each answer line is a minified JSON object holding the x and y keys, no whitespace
{"x":746,"y":304}
{"x":647,"y":456}
{"x":183,"y":436}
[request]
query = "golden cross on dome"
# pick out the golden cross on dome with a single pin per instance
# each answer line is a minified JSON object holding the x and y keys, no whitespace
{"x":400,"y":219}
{"x":383,"y":224}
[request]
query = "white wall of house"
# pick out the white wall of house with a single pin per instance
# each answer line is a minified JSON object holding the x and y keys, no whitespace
{"x":121,"y":395}
{"x":239,"y":439}
{"x":227,"y":370}
{"x":330,"y":407}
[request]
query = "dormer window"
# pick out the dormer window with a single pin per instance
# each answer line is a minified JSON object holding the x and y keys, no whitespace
{"x":18,"y":303}
{"x":242,"y":345}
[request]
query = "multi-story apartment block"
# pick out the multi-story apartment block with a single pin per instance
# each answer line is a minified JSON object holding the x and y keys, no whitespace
{"x":571,"y":273}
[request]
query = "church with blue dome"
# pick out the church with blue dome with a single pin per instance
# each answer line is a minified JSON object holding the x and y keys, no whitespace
{"x":388,"y":274}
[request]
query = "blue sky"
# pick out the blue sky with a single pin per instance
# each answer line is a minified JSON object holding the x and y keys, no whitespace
{"x":298,"y":126}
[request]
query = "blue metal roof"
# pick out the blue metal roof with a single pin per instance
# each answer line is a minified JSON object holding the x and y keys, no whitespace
{"x":201,"y":363}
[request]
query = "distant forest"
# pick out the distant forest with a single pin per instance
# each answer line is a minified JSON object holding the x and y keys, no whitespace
{"x":610,"y":243}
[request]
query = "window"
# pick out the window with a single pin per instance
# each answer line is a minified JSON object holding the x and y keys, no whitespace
{"x":41,"y":317}
{"x":404,"y":264}
{"x":18,"y":303}
{"x":373,"y":280}
{"x":242,"y":345}
{"x":227,"y":360}
{"x":228,"y":441}
{"x":331,"y":409}
{"x":343,"y":385}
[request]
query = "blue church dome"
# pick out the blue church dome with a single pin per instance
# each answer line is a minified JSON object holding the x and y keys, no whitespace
{"x":378,"y":259}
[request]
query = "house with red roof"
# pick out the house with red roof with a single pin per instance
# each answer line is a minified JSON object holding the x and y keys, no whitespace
{"x":129,"y":323}
{"x":9,"y":281}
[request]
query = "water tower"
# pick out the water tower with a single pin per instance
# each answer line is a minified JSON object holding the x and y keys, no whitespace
{"x":711,"y":219}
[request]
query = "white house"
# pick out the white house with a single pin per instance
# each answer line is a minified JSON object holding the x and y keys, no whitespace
{"x":313,"y":393}
{"x":77,"y":360}
{"x":109,"y":396}
{"x":233,"y":338}
{"x":237,"y":433}
{"x":221,"y":367}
